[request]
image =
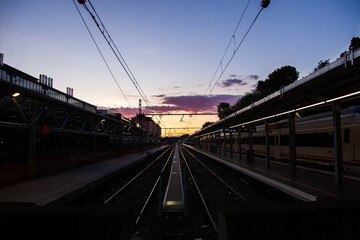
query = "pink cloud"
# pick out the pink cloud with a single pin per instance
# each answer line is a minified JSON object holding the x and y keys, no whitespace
{"x":189,"y":104}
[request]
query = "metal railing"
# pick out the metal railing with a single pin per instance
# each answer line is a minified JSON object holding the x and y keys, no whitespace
{"x":21,"y":79}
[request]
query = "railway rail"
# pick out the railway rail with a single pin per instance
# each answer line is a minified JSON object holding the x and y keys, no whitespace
{"x":206,"y":183}
{"x":216,"y":184}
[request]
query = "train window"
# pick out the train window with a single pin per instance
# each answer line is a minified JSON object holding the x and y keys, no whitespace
{"x":259,"y":140}
{"x":347,"y":135}
{"x":315,"y":140}
{"x":284,"y":140}
{"x":245,"y":140}
{"x":272,"y":140}
{"x":256,"y":140}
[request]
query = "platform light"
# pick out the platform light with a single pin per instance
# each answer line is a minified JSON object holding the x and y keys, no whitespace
{"x":291,"y":111}
{"x":344,"y":96}
{"x":16,"y":94}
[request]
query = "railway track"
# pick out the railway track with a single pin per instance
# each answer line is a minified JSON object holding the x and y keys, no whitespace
{"x":136,"y":179}
{"x":210,"y":189}
{"x":206,"y":183}
{"x":216,"y":184}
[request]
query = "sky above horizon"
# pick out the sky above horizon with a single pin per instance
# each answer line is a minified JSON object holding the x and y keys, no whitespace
{"x":173,"y":48}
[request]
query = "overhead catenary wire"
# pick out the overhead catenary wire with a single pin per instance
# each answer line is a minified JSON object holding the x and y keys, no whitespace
{"x":206,"y":95}
{"x":102,"y":56}
{"x":118,"y":55}
{"x":227,"y":48}
{"x":228,"y":62}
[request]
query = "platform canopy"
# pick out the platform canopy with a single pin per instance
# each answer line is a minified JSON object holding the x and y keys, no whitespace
{"x":338,"y":81}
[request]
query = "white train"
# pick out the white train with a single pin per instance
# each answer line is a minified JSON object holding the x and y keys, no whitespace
{"x":314,"y":140}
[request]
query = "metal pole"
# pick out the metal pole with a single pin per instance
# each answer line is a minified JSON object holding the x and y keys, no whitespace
{"x":292,"y":143}
{"x":32,"y":166}
{"x":251,"y":149}
{"x":160,"y":194}
{"x":184,"y":192}
{"x":239,"y":139}
{"x":207,"y":142}
{"x":337,"y":145}
{"x":95,"y":147}
{"x":219,"y":143}
{"x":224,"y":143}
{"x":267,"y":143}
{"x":141,"y":128}
{"x":231,"y":146}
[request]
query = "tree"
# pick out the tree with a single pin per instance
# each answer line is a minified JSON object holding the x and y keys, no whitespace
{"x":206,"y":124}
{"x":322,"y":64}
{"x":281,"y":77}
{"x":355,"y":43}
{"x":246,"y":100}
{"x":277,"y":79}
{"x":224,"y":110}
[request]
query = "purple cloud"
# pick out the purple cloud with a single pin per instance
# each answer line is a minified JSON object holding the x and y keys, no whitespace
{"x":231,"y":82}
{"x":189,"y":104}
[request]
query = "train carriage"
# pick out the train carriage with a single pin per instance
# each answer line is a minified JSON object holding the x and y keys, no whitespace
{"x":314,"y":140}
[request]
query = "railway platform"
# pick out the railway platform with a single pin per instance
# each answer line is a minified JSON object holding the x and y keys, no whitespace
{"x":174,"y":197}
{"x":307,"y":185}
{"x":69,"y":184}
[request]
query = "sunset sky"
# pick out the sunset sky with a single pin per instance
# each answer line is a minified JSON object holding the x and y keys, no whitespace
{"x":172,"y":47}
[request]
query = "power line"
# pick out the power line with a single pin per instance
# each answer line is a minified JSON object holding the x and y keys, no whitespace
{"x":232,"y":56}
{"x":102,"y":56}
{"x":220,"y":63}
{"x":117,"y":53}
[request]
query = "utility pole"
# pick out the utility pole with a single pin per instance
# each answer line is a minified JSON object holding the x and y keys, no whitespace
{"x":141,"y":128}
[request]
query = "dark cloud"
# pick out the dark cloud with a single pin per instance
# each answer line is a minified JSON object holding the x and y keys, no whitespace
{"x":253,"y":77}
{"x":159,"y":96}
{"x":176,"y":87}
{"x":231,"y":82}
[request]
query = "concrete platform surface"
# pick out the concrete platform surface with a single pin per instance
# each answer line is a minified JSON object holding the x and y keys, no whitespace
{"x":70,"y":183}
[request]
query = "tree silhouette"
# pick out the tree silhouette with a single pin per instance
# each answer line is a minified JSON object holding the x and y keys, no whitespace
{"x":355,"y":43}
{"x":224,"y":110}
{"x":279,"y":78}
{"x":247,"y":99}
{"x":322,"y":64}
{"x":206,"y":124}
